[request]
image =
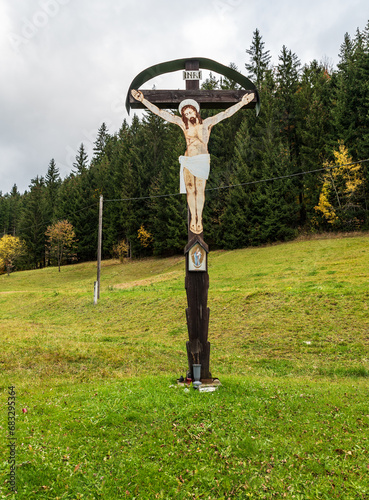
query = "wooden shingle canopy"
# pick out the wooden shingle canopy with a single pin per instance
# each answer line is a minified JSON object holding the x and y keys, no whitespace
{"x":208,"y":99}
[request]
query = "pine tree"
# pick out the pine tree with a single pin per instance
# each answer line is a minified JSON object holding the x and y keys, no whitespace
{"x":314,"y":131}
{"x":168,"y":214}
{"x":352,"y":95}
{"x":85,"y":217}
{"x":287,"y":90}
{"x":350,"y":115}
{"x":81,"y":163}
{"x":78,"y":202}
{"x":221,"y":149}
{"x":287,"y":87}
{"x":259,"y":59}
{"x":52,"y":183}
{"x":101,"y":143}
{"x":117,"y":213}
{"x":34,"y":221}
{"x":10,"y":212}
{"x":259,"y":210}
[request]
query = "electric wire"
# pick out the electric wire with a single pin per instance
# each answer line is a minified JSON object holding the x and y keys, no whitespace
{"x":259,"y":181}
{"x":218,"y":188}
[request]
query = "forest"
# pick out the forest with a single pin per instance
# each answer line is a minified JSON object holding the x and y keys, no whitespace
{"x":299,"y":167}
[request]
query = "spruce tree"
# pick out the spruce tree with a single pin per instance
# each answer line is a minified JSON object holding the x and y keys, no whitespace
{"x":52,"y":183}
{"x":259,"y":210}
{"x":34,"y":222}
{"x":259,"y":59}
{"x":81,"y":163}
{"x":101,"y":143}
{"x":314,"y":131}
{"x":168,"y":208}
{"x":121,"y":210}
{"x":351,"y":116}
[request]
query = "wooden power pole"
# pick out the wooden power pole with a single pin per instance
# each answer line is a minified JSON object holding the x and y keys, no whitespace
{"x":99,"y":245}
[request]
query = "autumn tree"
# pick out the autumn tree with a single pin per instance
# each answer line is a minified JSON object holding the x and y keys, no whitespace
{"x":11,"y":248}
{"x":144,"y":237}
{"x":340,"y":200}
{"x":121,"y":250}
{"x":61,"y":240}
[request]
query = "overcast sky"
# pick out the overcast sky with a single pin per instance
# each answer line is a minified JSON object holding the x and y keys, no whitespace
{"x":66,"y":64}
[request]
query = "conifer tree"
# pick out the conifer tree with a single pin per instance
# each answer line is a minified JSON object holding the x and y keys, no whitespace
{"x":168,"y":213}
{"x":352,"y":95}
{"x":287,"y":87}
{"x":314,"y":132}
{"x":34,"y":221}
{"x":78,"y":202}
{"x":52,"y":183}
{"x":259,"y":59}
{"x":101,"y":143}
{"x":258,"y":211}
{"x":10,"y":212}
{"x":81,"y":163}
{"x":85,"y":217}
{"x":119,"y":211}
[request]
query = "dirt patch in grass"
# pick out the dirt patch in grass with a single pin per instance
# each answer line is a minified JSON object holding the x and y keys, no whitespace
{"x":147,"y":281}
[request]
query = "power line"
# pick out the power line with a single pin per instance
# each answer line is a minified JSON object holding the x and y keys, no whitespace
{"x":259,"y":181}
{"x":37,"y":225}
{"x":324,"y":169}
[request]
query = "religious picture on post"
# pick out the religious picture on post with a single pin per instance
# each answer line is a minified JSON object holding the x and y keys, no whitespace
{"x":197,"y":258}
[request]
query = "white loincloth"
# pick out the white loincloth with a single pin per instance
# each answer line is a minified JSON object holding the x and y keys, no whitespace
{"x":198,"y":165}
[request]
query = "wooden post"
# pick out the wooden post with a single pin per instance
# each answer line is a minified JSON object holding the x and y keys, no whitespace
{"x":197,"y":285}
{"x":197,"y":312}
{"x":99,"y":244}
{"x":192,"y":65}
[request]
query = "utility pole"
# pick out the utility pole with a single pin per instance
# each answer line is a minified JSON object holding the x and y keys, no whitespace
{"x":99,"y":244}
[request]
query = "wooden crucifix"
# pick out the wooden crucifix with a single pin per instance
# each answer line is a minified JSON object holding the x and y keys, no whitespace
{"x":194,"y":171}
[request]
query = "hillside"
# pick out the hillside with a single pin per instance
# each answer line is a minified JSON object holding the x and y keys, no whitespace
{"x":295,"y":308}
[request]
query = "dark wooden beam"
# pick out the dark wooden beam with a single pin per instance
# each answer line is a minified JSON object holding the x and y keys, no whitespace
{"x":192,"y":65}
{"x":208,"y":99}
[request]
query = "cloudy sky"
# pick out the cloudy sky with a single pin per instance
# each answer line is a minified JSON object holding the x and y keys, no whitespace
{"x":66,"y":64}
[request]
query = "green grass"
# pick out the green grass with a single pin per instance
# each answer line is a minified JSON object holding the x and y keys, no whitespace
{"x":289,"y":331}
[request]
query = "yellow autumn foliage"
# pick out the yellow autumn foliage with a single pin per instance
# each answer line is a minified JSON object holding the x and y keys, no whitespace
{"x":341,"y":184}
{"x":11,"y":248}
{"x":121,"y":250}
{"x":144,"y":237}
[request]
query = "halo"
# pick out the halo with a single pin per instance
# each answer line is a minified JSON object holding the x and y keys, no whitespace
{"x":188,"y":102}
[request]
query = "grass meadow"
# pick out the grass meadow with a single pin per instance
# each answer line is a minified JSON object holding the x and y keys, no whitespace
{"x":98,"y":410}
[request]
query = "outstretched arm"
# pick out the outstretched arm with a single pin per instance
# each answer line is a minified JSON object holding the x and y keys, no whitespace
{"x":213,"y":120}
{"x":169,"y":117}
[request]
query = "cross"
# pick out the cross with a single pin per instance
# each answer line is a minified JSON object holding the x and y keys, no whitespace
{"x":197,"y":278}
{"x":208,"y":99}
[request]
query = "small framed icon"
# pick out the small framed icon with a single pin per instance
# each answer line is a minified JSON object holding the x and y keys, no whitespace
{"x":197,"y":258}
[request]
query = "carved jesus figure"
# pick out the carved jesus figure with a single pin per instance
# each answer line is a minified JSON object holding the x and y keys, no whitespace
{"x":195,"y":164}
